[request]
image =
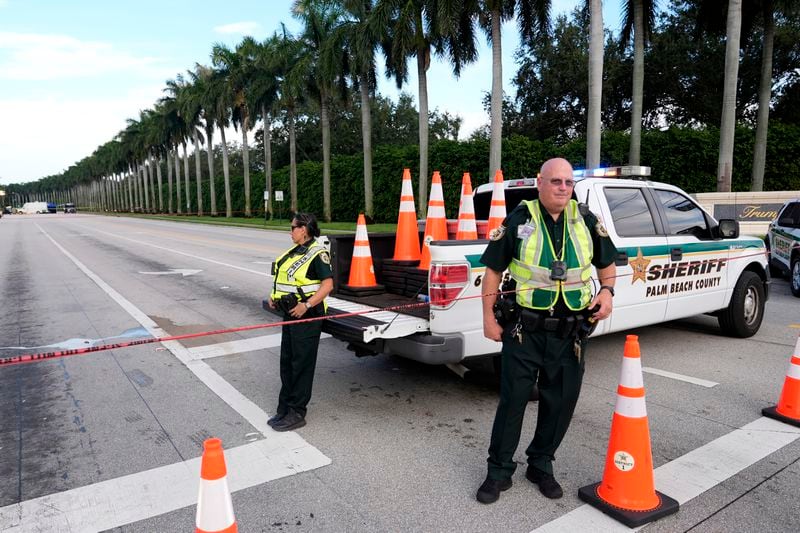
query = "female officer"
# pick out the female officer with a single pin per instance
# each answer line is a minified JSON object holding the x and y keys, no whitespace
{"x":302,"y":278}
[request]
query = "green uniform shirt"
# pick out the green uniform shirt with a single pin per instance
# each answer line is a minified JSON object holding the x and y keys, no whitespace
{"x":500,"y":252}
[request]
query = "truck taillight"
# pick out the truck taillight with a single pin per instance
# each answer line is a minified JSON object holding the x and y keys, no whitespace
{"x":445,"y":283}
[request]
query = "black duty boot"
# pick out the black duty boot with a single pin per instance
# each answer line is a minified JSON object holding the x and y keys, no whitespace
{"x":291,"y":420}
{"x":275,"y":418}
{"x":490,"y":491}
{"x":547,"y":483}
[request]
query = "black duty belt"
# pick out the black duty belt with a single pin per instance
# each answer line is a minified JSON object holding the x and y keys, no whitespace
{"x":533,"y":322}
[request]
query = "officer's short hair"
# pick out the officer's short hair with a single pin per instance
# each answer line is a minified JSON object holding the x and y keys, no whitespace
{"x":309,"y":221}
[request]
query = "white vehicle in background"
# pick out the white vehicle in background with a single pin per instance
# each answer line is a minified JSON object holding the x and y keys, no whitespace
{"x":34,"y":208}
{"x":783,"y":244}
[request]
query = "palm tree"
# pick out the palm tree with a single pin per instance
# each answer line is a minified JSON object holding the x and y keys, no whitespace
{"x":236,"y":66}
{"x":593,"y":126}
{"x":201,"y":77}
{"x":728,"y":122}
{"x":320,"y":61}
{"x":263,"y":96}
{"x":533,"y":18}
{"x":639,"y":18}
{"x":416,"y":28}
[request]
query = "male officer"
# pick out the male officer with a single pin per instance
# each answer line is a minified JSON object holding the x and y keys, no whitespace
{"x":548,"y":246}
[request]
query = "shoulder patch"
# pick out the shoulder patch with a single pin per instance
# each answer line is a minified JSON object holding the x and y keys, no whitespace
{"x":497,"y":233}
{"x":601,"y":229}
{"x":325,"y":257}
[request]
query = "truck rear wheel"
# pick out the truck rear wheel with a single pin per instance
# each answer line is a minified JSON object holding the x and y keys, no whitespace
{"x":744,"y":314}
{"x":794,"y":276}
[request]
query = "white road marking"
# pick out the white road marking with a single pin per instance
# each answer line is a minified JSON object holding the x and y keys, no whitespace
{"x":276,"y":444}
{"x":172,"y":250}
{"x":182,"y":271}
{"x":692,"y":474}
{"x":238,"y":346}
{"x":679,"y":377}
{"x":127,"y":499}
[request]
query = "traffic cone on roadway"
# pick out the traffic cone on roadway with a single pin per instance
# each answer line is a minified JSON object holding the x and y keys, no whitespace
{"x":406,"y":244}
{"x":362,"y":272}
{"x":788,"y":408}
{"x":436,"y":223}
{"x":214,"y":506}
{"x":627,"y":492}
{"x":497,"y":210}
{"x":466,"y":212}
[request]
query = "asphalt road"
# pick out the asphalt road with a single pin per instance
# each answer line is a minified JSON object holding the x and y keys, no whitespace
{"x":110,"y":440}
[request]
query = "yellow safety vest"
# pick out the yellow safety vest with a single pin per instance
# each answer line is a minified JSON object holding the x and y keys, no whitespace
{"x":291,"y":273}
{"x":532,"y":270}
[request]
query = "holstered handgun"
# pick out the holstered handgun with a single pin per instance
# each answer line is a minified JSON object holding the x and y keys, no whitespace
{"x":506,"y":310}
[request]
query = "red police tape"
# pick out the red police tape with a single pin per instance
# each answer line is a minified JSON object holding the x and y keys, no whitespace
{"x":36,"y":357}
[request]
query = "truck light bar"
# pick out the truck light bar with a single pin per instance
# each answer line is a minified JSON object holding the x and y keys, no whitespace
{"x":613,"y":172}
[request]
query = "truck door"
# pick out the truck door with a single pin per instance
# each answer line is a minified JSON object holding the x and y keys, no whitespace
{"x":696,"y":278}
{"x":642,"y":253}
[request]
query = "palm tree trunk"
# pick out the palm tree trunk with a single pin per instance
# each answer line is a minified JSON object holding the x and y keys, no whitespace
{"x":177,"y":159}
{"x":129,"y":179}
{"x":326,"y":157}
{"x":496,"y":139}
{"x":267,"y":160}
{"x":292,"y":161}
{"x":366,"y":142}
{"x":727,"y":126}
{"x":138,"y":186}
{"x":226,"y":173}
{"x":146,"y":189}
{"x":764,"y":96}
{"x":212,"y":191}
{"x":199,"y":173}
{"x":187,"y":178}
{"x":151,"y":176}
{"x":169,"y":181}
{"x":246,"y":164}
{"x":595,"y":84}
{"x":160,"y":185}
{"x":638,"y":83}
{"x":423,"y":62}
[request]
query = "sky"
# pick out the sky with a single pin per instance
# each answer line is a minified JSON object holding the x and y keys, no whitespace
{"x":72,"y":72}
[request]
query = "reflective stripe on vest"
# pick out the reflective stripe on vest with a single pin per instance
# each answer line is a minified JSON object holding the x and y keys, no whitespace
{"x":291,"y":275}
{"x":532,"y":270}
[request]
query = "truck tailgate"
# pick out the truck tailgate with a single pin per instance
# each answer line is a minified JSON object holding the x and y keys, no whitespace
{"x":369,"y":326}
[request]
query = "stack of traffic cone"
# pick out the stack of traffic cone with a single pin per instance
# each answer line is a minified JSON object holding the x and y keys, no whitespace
{"x":627,"y":492}
{"x":497,"y":210}
{"x":788,"y":408}
{"x":406,"y":244}
{"x":214,"y":506}
{"x":466,"y":212}
{"x":362,"y":272}
{"x":436,"y":223}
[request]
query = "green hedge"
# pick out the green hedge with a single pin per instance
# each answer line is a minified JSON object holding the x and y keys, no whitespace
{"x":684,"y":157}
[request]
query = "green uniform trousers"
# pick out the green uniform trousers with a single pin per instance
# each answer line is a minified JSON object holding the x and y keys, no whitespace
{"x":299,"y":345}
{"x":552,"y":360}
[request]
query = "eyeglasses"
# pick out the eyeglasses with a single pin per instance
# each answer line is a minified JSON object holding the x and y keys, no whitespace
{"x":556,"y":182}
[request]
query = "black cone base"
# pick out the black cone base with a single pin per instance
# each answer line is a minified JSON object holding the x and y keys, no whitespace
{"x":350,"y":290}
{"x":772,"y":412}
{"x":630,"y":518}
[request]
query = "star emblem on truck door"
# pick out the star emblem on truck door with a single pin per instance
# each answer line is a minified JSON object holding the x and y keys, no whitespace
{"x":639,"y":266}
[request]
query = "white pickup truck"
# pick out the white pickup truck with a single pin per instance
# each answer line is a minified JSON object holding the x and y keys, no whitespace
{"x":675,"y":261}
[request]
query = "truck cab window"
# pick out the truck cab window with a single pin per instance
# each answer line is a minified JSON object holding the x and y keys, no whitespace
{"x":683,"y":215}
{"x":629,"y":210}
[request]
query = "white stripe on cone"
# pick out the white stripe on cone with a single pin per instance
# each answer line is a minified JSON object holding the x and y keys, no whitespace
{"x":214,"y":506}
{"x":631,"y":373}
{"x":630,"y":407}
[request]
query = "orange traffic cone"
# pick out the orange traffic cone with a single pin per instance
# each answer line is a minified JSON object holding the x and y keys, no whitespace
{"x":406,"y":244}
{"x":788,"y":408}
{"x":436,"y":223}
{"x":466,"y":212}
{"x":362,"y":272}
{"x":214,"y":506}
{"x":497,"y":211}
{"x":627,"y":492}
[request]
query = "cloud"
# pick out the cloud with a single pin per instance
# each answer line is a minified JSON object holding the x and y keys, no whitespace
{"x":240,"y":28}
{"x":37,"y":57}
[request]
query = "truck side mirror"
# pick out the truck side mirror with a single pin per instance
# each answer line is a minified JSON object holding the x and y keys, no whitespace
{"x":728,"y":228}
